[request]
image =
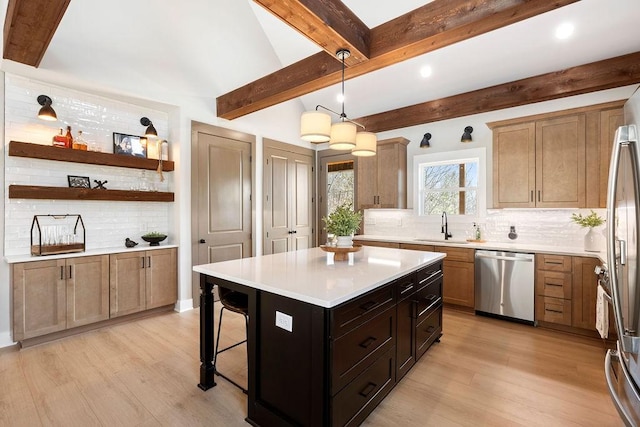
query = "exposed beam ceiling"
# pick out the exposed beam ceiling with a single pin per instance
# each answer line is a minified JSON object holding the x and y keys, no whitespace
{"x":607,"y":74}
{"x":328,"y":23}
{"x":29,"y":27}
{"x":430,"y":27}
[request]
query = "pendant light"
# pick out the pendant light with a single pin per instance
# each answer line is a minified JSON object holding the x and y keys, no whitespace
{"x":315,"y":126}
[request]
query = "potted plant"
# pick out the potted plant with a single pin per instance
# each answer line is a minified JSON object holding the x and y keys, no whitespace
{"x":343,"y":222}
{"x":592,"y":220}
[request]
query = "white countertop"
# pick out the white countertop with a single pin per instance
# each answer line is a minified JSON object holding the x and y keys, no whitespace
{"x":102,"y":251}
{"x":311,"y":275}
{"x":501,"y":246}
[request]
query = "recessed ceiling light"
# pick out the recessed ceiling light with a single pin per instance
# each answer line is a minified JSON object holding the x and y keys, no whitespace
{"x":425,"y":71}
{"x":340,"y":98}
{"x":564,"y":31}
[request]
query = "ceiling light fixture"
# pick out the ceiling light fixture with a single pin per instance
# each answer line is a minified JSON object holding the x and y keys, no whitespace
{"x":466,"y":135}
{"x":46,"y":112}
{"x":151,"y":130}
{"x":425,"y":71}
{"x":425,"y":140}
{"x":315,"y":126}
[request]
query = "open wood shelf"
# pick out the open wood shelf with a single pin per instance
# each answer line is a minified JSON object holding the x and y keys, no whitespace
{"x":64,"y":193}
{"x":48,"y":152}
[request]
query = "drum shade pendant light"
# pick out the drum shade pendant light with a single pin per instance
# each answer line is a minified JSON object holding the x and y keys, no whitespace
{"x":315,"y":126}
{"x":151,"y":130}
{"x":46,"y":112}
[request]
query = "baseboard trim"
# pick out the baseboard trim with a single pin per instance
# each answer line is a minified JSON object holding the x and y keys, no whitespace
{"x":5,"y":339}
{"x":184,"y":305}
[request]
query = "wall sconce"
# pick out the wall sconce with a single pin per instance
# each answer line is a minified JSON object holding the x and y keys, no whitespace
{"x":466,"y":136}
{"x":425,"y":140}
{"x":151,"y":131}
{"x":46,"y":112}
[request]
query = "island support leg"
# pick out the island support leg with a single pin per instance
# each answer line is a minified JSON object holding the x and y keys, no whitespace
{"x":206,"y":334}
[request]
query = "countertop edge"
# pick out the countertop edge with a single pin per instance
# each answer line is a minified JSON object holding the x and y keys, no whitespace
{"x":14,"y":259}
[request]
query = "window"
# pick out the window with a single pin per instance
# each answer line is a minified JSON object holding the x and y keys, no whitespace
{"x":451,"y":182}
{"x":340,"y":184}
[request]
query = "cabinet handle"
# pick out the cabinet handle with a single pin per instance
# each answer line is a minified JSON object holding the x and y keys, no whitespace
{"x":368,"y":389}
{"x":61,"y":273}
{"x":368,"y":306}
{"x":70,"y":270}
{"x":539,"y":195}
{"x":142,"y":259}
{"x":149,"y":261}
{"x":532,"y":195}
{"x":406,"y":288}
{"x":366,"y":343}
{"x":559,"y":285}
{"x":553,"y":311}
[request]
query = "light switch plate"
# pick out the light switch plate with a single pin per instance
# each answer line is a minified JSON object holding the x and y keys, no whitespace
{"x":284,"y":321}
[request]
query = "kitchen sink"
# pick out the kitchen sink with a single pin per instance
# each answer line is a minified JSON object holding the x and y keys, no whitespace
{"x":457,"y":242}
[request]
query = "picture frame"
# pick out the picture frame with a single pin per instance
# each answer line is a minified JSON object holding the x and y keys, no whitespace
{"x":78,"y":181}
{"x":129,"y":145}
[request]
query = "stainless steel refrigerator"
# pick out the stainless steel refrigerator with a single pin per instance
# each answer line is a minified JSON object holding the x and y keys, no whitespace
{"x":622,"y":366}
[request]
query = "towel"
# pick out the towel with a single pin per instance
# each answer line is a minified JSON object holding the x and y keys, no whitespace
{"x":602,"y":313}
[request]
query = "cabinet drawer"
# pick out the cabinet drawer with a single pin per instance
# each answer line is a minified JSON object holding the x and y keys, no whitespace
{"x":427,"y":331}
{"x":416,"y":247}
{"x":554,"y":284}
{"x":428,"y":298}
{"x":376,"y":243}
{"x":553,"y":310}
{"x":428,"y":274}
{"x":354,"y":313}
{"x":457,"y":254}
{"x":355,"y":351}
{"x":352,"y":405}
{"x":552,"y":262}
{"x":406,"y":286}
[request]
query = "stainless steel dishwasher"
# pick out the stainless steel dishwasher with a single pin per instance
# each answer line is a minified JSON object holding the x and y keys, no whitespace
{"x":505,"y":284}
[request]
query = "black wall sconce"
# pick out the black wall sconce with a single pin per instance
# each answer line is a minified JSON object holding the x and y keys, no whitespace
{"x":425,"y":140}
{"x":151,"y":131}
{"x":46,"y":112}
{"x":466,"y":136}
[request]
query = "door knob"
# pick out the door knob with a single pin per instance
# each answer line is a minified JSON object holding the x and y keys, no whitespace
{"x":202,"y":241}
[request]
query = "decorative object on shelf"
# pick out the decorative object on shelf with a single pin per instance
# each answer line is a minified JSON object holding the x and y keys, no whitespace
{"x":425,"y":141}
{"x":46,"y":112}
{"x":315,"y":126}
{"x":154,"y":238}
{"x":343,"y":222}
{"x":129,"y":243}
{"x":130,"y":145}
{"x":60,"y":140}
{"x":151,"y":130}
{"x":466,"y":135}
{"x":340,"y":253}
{"x":592,"y":240}
{"x":79,"y":143}
{"x":79,"y":181}
{"x":57,"y":234}
{"x":100,"y":184}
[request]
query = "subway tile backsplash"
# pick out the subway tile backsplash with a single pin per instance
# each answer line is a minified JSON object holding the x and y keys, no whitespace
{"x":107,"y":223}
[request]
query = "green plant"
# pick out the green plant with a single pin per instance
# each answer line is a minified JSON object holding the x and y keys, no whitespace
{"x":591,"y":220}
{"x":343,"y":221}
{"x":154,"y":234}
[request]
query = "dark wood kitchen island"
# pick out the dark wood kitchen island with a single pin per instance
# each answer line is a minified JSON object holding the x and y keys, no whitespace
{"x":327,"y":340}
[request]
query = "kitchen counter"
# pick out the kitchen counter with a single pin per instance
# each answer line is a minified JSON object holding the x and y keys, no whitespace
{"x":102,"y":251}
{"x":501,"y":246}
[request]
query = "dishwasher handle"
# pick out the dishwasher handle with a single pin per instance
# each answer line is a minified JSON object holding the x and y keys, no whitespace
{"x":506,"y":258}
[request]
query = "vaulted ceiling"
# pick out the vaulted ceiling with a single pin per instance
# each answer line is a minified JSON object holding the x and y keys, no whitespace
{"x":500,"y":53}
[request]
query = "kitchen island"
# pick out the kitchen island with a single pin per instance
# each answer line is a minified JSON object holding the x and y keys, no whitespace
{"x":327,"y":339}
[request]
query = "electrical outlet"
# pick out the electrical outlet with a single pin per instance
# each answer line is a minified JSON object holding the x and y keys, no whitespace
{"x":284,"y":321}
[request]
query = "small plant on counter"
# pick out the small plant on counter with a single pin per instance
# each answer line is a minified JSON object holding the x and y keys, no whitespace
{"x":154,"y":234}
{"x":591,"y":220}
{"x":343,"y":221}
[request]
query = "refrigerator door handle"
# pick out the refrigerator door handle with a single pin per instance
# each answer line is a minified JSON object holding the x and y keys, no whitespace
{"x":623,"y":252}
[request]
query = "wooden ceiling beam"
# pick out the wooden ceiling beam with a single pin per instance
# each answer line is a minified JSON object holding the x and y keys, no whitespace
{"x":433,"y":26}
{"x":29,"y":27}
{"x":328,"y":23}
{"x":607,"y":74}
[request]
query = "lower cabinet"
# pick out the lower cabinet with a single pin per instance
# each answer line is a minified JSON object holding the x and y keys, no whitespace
{"x":51,"y":296}
{"x":459,"y":276}
{"x":55,"y":295}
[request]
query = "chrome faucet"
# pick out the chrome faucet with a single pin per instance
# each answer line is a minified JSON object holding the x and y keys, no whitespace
{"x":445,"y":226}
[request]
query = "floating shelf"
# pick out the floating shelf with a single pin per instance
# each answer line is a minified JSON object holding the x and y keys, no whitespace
{"x":64,"y":193}
{"x":48,"y":152}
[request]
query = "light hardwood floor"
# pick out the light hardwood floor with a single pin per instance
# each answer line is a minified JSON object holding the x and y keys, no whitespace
{"x":484,"y":372}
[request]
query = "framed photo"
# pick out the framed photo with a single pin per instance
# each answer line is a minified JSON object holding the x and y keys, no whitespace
{"x":79,"y":181}
{"x":129,"y":145}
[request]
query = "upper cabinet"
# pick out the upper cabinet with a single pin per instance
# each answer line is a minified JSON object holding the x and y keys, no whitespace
{"x":382,"y":179}
{"x":556,"y":160}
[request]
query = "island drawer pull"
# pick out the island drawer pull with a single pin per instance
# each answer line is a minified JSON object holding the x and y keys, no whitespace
{"x":406,"y":288}
{"x":368,"y":389}
{"x":431,"y":276}
{"x":369,"y":305}
{"x":366,"y":343}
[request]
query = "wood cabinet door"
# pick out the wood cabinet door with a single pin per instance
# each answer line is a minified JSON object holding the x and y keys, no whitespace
{"x":610,"y":120}
{"x":514,"y":166}
{"x":367,"y":182}
{"x":161,"y":280}
{"x":39,"y":302}
{"x":392,"y":164}
{"x":459,"y":283}
{"x":126,"y":283}
{"x":561,"y":162}
{"x":584,"y":293}
{"x":87,"y":290}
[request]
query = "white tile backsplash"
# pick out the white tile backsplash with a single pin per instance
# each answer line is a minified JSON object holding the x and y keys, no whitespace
{"x":107,"y":223}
